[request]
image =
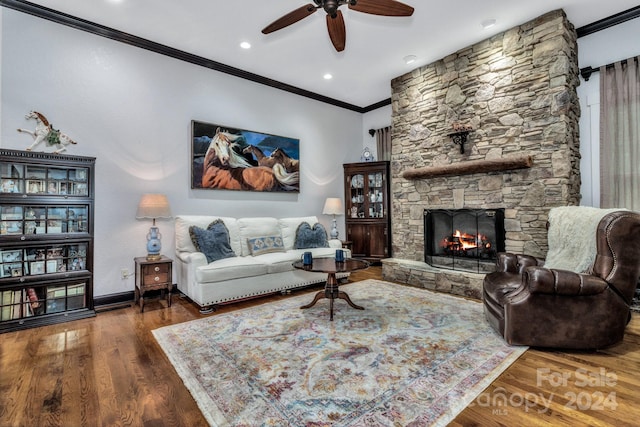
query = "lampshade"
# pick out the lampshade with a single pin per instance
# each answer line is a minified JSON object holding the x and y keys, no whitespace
{"x":333,"y":206}
{"x":153,"y":206}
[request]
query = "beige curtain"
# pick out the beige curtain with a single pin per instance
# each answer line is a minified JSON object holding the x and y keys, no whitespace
{"x":620,"y":135}
{"x":383,"y":143}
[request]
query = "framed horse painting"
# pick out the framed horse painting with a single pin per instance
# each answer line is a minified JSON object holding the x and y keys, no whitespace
{"x":225,"y":158}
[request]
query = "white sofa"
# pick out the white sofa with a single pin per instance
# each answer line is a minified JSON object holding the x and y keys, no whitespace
{"x":245,"y":275}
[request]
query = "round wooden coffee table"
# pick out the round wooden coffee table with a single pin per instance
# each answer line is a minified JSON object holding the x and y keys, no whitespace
{"x":331,"y":267}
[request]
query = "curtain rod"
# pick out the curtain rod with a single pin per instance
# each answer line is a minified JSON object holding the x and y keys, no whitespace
{"x":372,"y":132}
{"x":587,"y":71}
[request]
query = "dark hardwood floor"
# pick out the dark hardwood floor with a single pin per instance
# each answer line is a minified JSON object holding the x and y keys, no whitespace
{"x":109,"y":371}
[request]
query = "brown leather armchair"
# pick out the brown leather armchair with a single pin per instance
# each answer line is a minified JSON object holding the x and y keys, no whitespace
{"x":540,"y":307}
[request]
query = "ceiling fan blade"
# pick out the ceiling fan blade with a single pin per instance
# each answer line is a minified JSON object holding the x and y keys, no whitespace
{"x":337,"y":32}
{"x":383,"y":7}
{"x":290,"y":18}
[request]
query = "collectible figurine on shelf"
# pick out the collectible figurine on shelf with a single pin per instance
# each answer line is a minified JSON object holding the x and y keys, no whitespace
{"x":44,"y":131}
{"x":9,"y":186}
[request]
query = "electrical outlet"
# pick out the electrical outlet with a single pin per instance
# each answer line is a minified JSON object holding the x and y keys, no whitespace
{"x":124,"y":273}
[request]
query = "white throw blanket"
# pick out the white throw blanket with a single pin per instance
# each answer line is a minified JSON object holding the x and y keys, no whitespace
{"x":572,"y":237}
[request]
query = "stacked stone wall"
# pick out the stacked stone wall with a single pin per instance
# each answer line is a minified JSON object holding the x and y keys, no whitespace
{"x":518,"y":92}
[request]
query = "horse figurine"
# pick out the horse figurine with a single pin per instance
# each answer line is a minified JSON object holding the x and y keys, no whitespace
{"x":45,"y":132}
{"x":224,"y":168}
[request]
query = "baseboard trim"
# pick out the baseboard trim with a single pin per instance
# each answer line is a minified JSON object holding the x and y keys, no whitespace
{"x":115,"y":301}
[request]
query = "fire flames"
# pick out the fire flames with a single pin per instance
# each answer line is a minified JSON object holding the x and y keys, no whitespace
{"x":462,"y":242}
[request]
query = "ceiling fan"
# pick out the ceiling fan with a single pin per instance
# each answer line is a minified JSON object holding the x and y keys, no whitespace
{"x":335,"y":21}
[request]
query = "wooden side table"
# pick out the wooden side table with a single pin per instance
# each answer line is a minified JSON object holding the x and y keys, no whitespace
{"x":153,"y":275}
{"x":331,"y":288}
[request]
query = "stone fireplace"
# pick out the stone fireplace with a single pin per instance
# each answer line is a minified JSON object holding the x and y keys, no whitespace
{"x":515,"y":94}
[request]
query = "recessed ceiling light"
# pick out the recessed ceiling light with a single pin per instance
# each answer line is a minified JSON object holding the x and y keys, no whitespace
{"x":409,"y":59}
{"x":327,"y":76}
{"x":488,"y":23}
{"x":245,"y":45}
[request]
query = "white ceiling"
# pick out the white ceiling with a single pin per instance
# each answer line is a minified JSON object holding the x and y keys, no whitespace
{"x":302,"y":53}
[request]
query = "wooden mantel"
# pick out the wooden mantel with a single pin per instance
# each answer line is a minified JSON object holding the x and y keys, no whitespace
{"x":470,"y":167}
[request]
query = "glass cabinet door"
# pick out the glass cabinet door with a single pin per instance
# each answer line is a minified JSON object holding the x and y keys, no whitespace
{"x":356,"y":206}
{"x":38,"y":300}
{"x":367,"y":195}
{"x":29,"y":220}
{"x":42,"y":180}
{"x":51,"y":259}
{"x":36,"y":180}
{"x":65,"y":297}
{"x":77,"y":183}
{"x":11,"y":178}
{"x":11,"y":220}
{"x":376,"y":195}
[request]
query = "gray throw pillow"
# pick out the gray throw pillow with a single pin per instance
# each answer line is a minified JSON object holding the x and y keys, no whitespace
{"x":213,"y":242}
{"x":311,"y":237}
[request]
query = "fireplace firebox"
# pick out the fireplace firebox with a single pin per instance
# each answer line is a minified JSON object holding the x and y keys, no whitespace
{"x":463,"y":239}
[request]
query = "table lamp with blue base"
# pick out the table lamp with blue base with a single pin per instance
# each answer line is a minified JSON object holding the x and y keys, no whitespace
{"x":153,"y":206}
{"x":333,"y":206}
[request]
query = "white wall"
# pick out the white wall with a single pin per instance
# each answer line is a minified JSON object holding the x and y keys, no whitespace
{"x":601,"y":48}
{"x":131,"y":109}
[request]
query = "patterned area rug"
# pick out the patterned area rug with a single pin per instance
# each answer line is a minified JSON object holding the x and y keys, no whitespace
{"x":412,"y":357}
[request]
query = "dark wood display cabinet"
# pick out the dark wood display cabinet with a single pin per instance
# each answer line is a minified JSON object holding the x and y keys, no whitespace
{"x":46,"y":238}
{"x":368,"y":221}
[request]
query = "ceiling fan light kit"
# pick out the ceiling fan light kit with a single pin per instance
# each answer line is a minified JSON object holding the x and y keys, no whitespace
{"x":335,"y":20}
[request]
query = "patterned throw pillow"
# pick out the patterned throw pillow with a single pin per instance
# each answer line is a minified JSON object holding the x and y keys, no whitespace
{"x":265,"y":245}
{"x":213,"y":242}
{"x":311,"y":237}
